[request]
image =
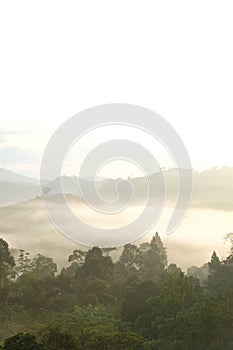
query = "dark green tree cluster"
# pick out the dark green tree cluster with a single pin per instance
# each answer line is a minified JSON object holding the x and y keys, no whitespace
{"x":135,"y":302}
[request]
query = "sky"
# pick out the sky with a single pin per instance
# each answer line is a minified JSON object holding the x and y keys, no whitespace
{"x":59,"y":58}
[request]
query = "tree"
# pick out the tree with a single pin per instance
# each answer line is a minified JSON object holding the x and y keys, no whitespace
{"x":117,"y":340}
{"x":229,"y":237}
{"x":35,"y":291}
{"x":43,"y":266}
{"x":7,"y":263}
{"x":214,"y":264}
{"x":78,"y":257}
{"x":96,"y":265}
{"x":58,"y":339}
{"x":220,"y":280}
{"x":29,"y":291}
{"x":46,"y":191}
{"x":217,"y":275}
{"x":22,"y":342}
{"x":134,"y":303}
{"x":129,"y":257}
{"x":24,"y":262}
{"x":152,"y":257}
{"x":200,"y":273}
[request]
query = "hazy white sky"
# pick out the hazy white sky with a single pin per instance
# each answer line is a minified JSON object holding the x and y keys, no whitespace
{"x":58,"y":58}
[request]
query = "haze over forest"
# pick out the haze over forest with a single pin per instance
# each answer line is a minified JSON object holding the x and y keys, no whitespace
{"x":23,"y":221}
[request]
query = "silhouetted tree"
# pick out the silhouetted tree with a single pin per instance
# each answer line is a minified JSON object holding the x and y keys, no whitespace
{"x":22,"y":342}
{"x":7,"y":263}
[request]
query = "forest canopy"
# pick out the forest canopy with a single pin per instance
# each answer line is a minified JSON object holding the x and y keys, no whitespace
{"x":137,"y":301}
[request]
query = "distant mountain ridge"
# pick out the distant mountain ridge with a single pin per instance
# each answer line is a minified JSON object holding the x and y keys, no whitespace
{"x":11,"y":176}
{"x":211,"y":188}
{"x":15,"y":187}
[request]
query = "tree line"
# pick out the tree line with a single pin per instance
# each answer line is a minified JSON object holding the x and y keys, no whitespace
{"x":136,"y":302}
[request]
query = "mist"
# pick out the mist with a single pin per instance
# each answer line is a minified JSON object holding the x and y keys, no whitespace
{"x":26,"y":225}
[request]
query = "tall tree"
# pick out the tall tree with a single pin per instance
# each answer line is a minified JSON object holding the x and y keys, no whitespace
{"x":96,"y":265}
{"x":24,"y":263}
{"x":129,"y":256}
{"x":152,"y":257}
{"x":44,"y":266}
{"x":7,"y":263}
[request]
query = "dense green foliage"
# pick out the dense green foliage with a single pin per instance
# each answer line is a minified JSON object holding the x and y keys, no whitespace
{"x":22,"y":341}
{"x":136,"y":302}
